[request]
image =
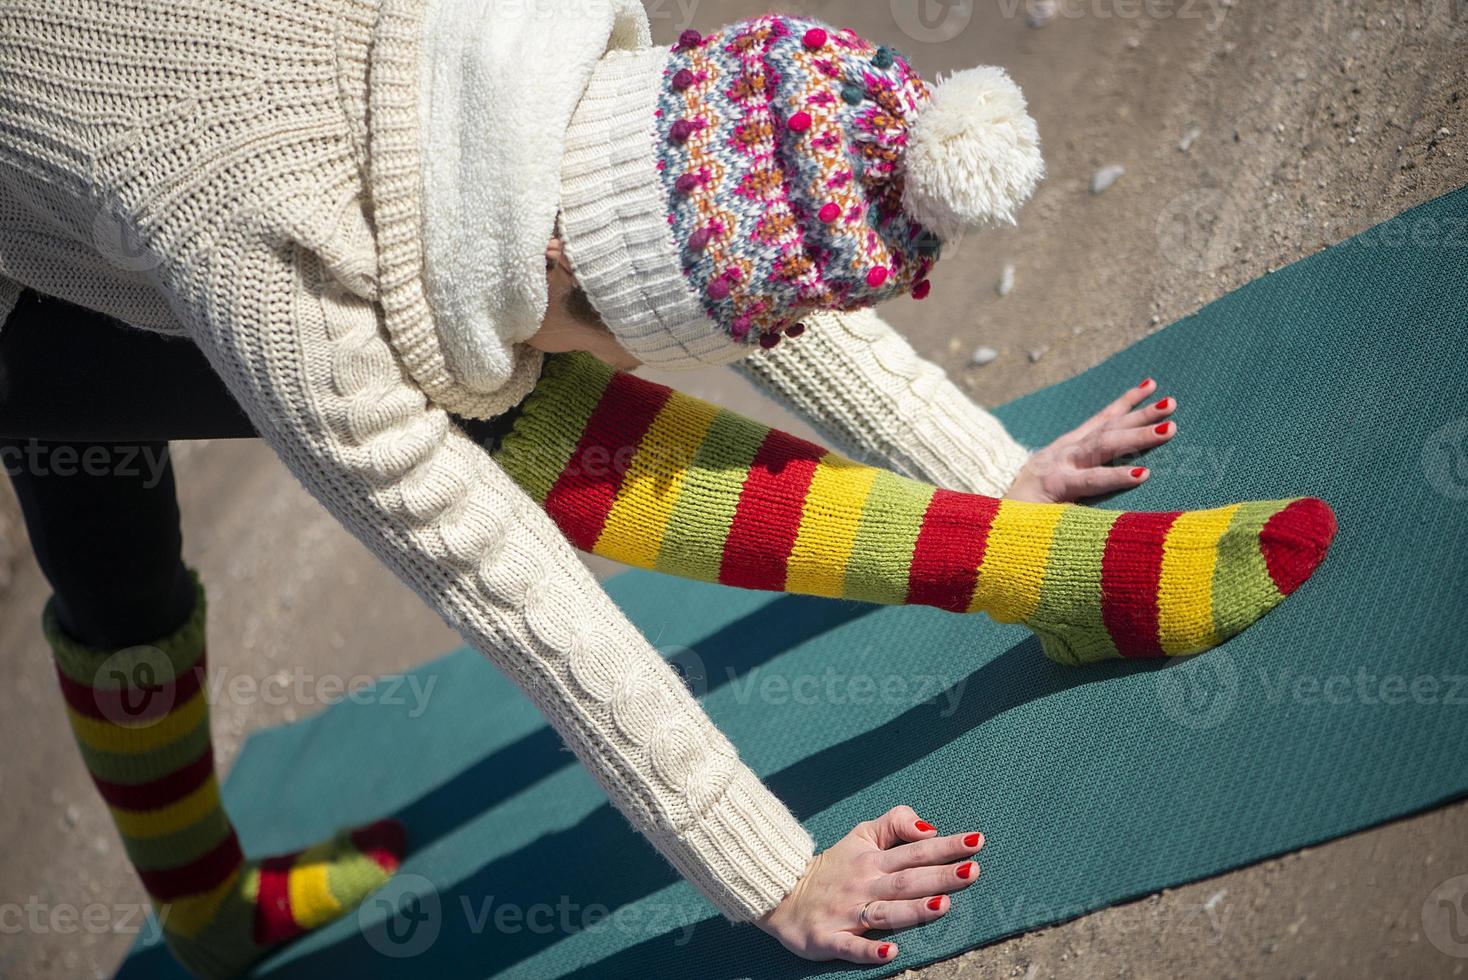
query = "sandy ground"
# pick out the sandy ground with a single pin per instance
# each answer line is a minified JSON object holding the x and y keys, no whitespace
{"x":1252,"y":133}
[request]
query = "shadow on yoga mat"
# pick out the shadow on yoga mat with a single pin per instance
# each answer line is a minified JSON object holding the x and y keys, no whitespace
{"x":1342,"y":376}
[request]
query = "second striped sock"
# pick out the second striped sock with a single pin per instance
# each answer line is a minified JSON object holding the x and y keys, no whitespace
{"x":641,"y":474}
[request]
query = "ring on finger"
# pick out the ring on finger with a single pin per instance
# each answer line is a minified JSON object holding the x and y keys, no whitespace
{"x":865,"y":922}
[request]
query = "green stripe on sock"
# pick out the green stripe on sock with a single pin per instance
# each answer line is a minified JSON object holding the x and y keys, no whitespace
{"x":1071,"y":594}
{"x":181,"y":848}
{"x":710,"y":494}
{"x":1242,"y":586}
{"x":540,"y":443}
{"x":125,"y":668}
{"x":118,"y":767}
{"x":352,"y":873}
{"x":881,"y":555}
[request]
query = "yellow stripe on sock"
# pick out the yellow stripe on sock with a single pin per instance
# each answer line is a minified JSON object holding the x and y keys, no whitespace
{"x":309,"y":885}
{"x":828,"y":526}
{"x":1012,"y":574}
{"x":182,"y":813}
{"x":188,"y":917}
{"x":104,"y":736}
{"x":1185,"y":593}
{"x":634,"y":529}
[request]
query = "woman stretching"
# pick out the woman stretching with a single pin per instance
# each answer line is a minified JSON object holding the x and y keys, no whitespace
{"x":342,"y":208}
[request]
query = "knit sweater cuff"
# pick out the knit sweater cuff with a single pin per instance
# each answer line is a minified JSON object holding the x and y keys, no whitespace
{"x":396,"y":177}
{"x":862,"y":386}
{"x":746,"y":853}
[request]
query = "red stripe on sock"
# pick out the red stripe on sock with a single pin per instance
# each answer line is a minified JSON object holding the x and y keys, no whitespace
{"x":198,"y":876}
{"x":275,"y":922}
{"x":1131,"y":576}
{"x":767,"y":516}
{"x":133,"y":705}
{"x":950,"y":547}
{"x":586,"y":489}
{"x":1294,"y":542}
{"x":384,"y":842}
{"x":161,"y":791}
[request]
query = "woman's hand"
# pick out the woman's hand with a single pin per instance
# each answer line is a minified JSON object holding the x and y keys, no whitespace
{"x":1076,"y":466}
{"x":895,"y":867}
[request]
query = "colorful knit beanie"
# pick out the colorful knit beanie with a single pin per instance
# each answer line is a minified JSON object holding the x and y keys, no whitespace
{"x":715,"y":192}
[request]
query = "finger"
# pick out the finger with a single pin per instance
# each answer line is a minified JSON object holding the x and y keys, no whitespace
{"x":899,"y":824}
{"x":855,"y":949}
{"x":936,"y":850}
{"x":1099,"y":481}
{"x":1128,"y":400}
{"x":1113,"y":444}
{"x":921,"y":882}
{"x":912,"y":912}
{"x":1148,"y":414}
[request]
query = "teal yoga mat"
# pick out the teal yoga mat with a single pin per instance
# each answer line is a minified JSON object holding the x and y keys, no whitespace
{"x":1344,"y":376}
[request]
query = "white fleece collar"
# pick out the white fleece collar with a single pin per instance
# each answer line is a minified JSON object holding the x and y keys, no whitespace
{"x":499,"y":81}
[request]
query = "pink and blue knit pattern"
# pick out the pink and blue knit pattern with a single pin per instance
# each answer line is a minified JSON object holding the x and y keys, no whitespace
{"x":780,"y":149}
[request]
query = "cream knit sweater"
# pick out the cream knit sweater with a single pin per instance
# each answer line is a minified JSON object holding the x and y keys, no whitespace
{"x":864,"y":388}
{"x":212,"y":168}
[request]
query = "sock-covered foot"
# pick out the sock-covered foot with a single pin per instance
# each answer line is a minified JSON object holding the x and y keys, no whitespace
{"x":639,"y":473}
{"x":141,"y":720}
{"x":1096,"y":584}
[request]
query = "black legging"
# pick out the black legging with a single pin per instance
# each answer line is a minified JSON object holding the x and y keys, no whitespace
{"x":87,"y":407}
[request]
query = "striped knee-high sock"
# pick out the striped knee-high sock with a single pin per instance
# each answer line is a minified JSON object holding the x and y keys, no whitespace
{"x":141,"y":719}
{"x":641,"y":474}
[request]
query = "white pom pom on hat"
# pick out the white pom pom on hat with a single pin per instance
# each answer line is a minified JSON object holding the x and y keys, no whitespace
{"x":973,"y":154}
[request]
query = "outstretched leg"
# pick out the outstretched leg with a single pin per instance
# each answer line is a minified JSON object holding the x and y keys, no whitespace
{"x":127,"y":628}
{"x":639,"y":473}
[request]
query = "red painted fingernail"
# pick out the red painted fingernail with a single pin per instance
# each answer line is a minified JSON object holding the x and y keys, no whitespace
{"x":935,"y":903}
{"x":1163,"y":429}
{"x":972,"y":840}
{"x":966,"y":870}
{"x":1145,"y":382}
{"x":1163,"y":405}
{"x":923,"y":826}
{"x":1139,"y":472}
{"x":884,"y":950}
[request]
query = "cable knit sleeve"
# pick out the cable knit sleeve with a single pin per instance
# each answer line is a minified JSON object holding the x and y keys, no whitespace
{"x":236,"y":149}
{"x":862,"y":386}
{"x":312,"y":366}
{"x":495,"y":566}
